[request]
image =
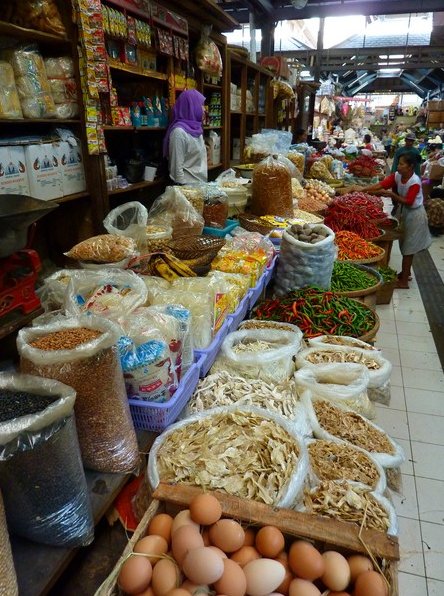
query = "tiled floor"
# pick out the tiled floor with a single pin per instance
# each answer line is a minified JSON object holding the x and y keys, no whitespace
{"x":416,"y":417}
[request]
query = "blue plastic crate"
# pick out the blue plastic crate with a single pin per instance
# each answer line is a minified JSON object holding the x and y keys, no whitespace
{"x":240,"y":313}
{"x":255,"y":293}
{"x":221,"y":233}
{"x":157,"y":416}
{"x":206,"y":357}
{"x":269,"y":271}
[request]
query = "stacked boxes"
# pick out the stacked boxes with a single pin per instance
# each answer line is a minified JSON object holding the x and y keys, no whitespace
{"x":435,"y":116}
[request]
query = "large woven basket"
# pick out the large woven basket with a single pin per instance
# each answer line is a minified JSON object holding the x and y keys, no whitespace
{"x":371,"y":260}
{"x":253,"y":224}
{"x":367,"y":295}
{"x":196,"y":247}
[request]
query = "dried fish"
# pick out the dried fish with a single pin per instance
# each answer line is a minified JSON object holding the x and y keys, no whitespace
{"x":351,"y":342}
{"x":239,"y":452}
{"x":352,"y":503}
{"x":351,"y":427}
{"x":337,"y":461}
{"x":254,"y":346}
{"x":327,"y":356}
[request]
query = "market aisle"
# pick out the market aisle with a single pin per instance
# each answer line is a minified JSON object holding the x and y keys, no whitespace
{"x":416,"y":419}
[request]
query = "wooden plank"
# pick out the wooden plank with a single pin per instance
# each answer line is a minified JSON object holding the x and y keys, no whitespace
{"x":322,"y":529}
{"x":135,"y":186}
{"x":24,"y":33}
{"x":15,"y":320}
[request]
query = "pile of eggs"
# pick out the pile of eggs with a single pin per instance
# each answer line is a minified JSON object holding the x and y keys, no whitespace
{"x":199,"y":552}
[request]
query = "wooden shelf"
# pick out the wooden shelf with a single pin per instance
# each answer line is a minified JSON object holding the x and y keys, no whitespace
{"x":238,"y":112}
{"x":150,"y":128}
{"x":212,"y":127}
{"x":212,"y":86}
{"x":23,"y":33}
{"x":15,"y":320}
{"x":135,"y":186}
{"x":111,"y":128}
{"x":118,"y":128}
{"x":133,"y":70}
{"x":73,"y":197}
{"x":39,"y":121}
{"x":217,"y":165}
{"x":39,"y":566}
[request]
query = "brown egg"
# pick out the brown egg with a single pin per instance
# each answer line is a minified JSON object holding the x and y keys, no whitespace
{"x":336,"y":574}
{"x":358,"y":564}
{"x":135,"y":575}
{"x":203,"y":565}
{"x":183,"y":518}
{"x":284,"y":587}
{"x":302,"y":587}
{"x":227,"y":534}
{"x":217,"y":550}
{"x":244,"y":555}
{"x":205,"y":509}
{"x":233,"y":581}
{"x":370,"y":583}
{"x":250,"y":537}
{"x":283,"y":558}
{"x":148,"y":592}
{"x":270,"y":541}
{"x":152,"y":545}
{"x":206,"y":536}
{"x":161,"y":526}
{"x":178,"y":592}
{"x":184,"y":539}
{"x":305,"y":560}
{"x":165,"y":577}
{"x":339,"y":594}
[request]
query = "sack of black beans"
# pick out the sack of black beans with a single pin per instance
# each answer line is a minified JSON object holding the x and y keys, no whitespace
{"x":81,"y":352}
{"x":8,"y":578}
{"x":41,"y":474}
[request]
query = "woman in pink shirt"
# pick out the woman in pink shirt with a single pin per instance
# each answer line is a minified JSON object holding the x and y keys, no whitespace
{"x":405,"y":190}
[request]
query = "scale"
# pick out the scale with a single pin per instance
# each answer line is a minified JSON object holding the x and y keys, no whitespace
{"x":19,"y":265}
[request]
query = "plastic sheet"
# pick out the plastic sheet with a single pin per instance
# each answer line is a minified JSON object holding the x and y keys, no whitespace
{"x":129,"y":220}
{"x":41,"y":473}
{"x":106,"y":433}
{"x":174,"y":210}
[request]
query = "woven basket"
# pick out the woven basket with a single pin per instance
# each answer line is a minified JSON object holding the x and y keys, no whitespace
{"x":370,"y":335}
{"x":254,"y":224}
{"x":371,"y":260}
{"x":380,"y":237}
{"x":367,"y":295}
{"x":8,"y":578}
{"x":196,"y":247}
{"x":385,"y":293}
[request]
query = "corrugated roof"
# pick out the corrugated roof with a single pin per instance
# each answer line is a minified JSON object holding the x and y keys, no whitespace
{"x":385,"y":41}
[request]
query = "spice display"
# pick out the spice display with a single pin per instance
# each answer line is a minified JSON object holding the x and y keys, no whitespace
{"x":106,"y":248}
{"x":336,"y":461}
{"x":8,"y":578}
{"x":21,"y":403}
{"x":351,"y":427}
{"x":272,"y":192}
{"x":348,"y":278}
{"x":316,"y":313}
{"x":351,"y":247}
{"x":223,"y":389}
{"x":364,"y":166}
{"x":345,"y":217}
{"x":106,"y":434}
{"x":239,"y":452}
{"x":352,"y":503}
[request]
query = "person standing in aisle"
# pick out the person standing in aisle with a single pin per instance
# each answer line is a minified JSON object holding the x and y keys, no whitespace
{"x":408,"y":148}
{"x":368,"y":143}
{"x":184,"y":145}
{"x":404,"y":188}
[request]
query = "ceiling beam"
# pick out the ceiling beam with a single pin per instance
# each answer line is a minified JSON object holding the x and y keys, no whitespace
{"x":416,"y":88}
{"x":334,"y":8}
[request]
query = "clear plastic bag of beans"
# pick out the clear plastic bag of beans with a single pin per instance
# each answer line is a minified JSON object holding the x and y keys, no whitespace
{"x":81,"y":352}
{"x":8,"y":578}
{"x":41,"y":474}
{"x":272,"y":193}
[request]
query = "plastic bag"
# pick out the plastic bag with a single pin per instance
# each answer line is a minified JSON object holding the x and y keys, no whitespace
{"x":272,"y":193}
{"x":107,"y":292}
{"x":298,"y":159}
{"x":184,"y":318}
{"x":208,"y":473}
{"x":42,"y":15}
{"x":106,"y":433}
{"x":174,"y":210}
{"x":129,"y":219}
{"x":391,"y":459}
{"x":10,"y":107}
{"x":228,"y":179}
{"x":208,"y":58}
{"x":302,"y":264}
{"x":8,"y":577}
{"x":52,"y":292}
{"x":215,"y":209}
{"x":105,"y":248}
{"x":63,"y":86}
{"x":379,"y":485}
{"x":340,"y":383}
{"x":41,"y":474}
{"x":259,"y":354}
{"x":342,"y":340}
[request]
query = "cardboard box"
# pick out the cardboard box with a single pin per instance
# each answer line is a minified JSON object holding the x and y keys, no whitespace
{"x":435,"y":117}
{"x":73,"y":174}
{"x":44,"y":171}
{"x":13,"y":171}
{"x":436,"y":171}
{"x":435,"y":105}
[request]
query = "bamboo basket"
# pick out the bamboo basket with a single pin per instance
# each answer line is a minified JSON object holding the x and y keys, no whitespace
{"x":253,"y":224}
{"x":324,"y":532}
{"x":385,"y":293}
{"x":370,"y":335}
{"x":368,"y":295}
{"x":196,"y":247}
{"x":371,"y":260}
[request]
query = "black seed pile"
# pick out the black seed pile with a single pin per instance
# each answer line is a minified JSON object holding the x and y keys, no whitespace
{"x":14,"y":404}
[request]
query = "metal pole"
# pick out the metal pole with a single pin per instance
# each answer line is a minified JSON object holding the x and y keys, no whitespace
{"x":253,"y":53}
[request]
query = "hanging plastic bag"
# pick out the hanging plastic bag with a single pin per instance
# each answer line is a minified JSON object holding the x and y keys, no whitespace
{"x":345,"y":384}
{"x":208,"y":58}
{"x":81,"y":352}
{"x":174,"y":210}
{"x":41,"y":474}
{"x":129,"y":219}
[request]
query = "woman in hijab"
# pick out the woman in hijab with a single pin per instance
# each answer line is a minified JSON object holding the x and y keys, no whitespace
{"x":184,"y":145}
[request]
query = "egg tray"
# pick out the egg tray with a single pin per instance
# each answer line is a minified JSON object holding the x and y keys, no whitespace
{"x":324,"y":533}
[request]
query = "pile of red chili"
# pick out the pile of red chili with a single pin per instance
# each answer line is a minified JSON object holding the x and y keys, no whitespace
{"x":352,"y":247}
{"x":344,"y":216}
{"x":317,"y":312}
{"x":364,"y":167}
{"x":369,"y":205}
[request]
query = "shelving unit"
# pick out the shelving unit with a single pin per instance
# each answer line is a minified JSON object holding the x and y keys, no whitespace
{"x":136,"y":186}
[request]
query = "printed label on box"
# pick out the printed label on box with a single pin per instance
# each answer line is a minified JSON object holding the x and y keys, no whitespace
{"x":44,"y":171}
{"x":13,"y":171}
{"x":73,"y":174}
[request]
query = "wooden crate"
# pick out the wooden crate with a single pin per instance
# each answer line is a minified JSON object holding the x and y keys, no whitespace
{"x":325,"y":533}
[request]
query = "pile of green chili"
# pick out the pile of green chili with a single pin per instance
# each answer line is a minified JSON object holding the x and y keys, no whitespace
{"x":349,"y":278}
{"x":388,"y":274}
{"x":317,"y":312}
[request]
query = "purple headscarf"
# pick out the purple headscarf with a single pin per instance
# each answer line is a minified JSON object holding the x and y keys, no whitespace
{"x":187,"y":114}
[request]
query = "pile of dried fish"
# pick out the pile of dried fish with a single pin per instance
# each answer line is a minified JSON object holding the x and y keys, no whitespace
{"x":351,"y":427}
{"x":242,"y":453}
{"x":352,"y":503}
{"x":273,"y":325}
{"x":338,"y":461}
{"x":223,"y":389}
{"x":327,"y":356}
{"x":254,"y":346}
{"x":337,"y":340}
